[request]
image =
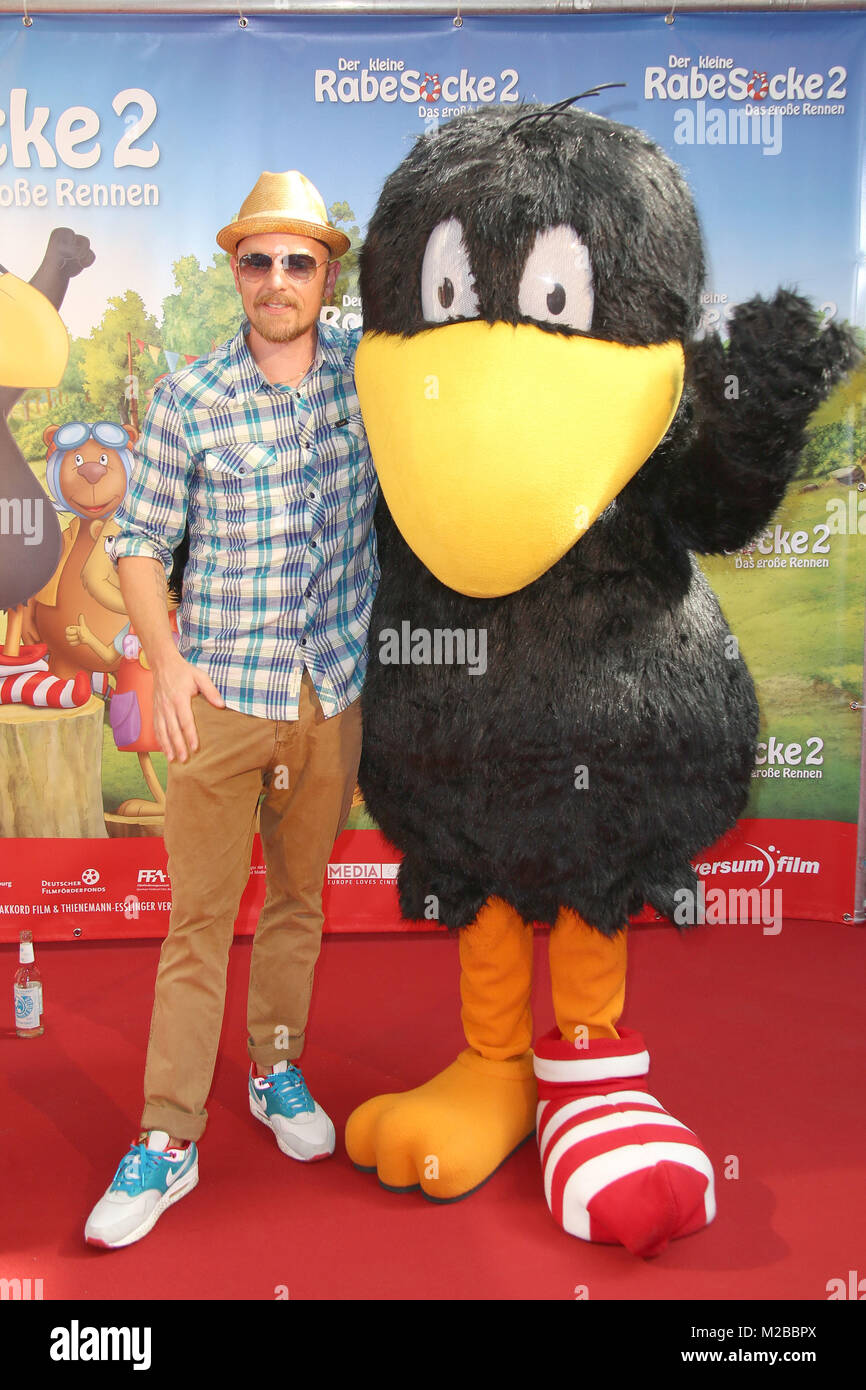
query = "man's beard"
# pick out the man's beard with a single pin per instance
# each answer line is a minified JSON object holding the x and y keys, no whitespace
{"x":277,"y":330}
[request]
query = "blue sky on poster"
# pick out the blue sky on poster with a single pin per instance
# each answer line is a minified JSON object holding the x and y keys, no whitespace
{"x":230,"y":102}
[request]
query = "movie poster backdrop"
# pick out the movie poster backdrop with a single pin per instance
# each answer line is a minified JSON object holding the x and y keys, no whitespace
{"x":145,"y":133}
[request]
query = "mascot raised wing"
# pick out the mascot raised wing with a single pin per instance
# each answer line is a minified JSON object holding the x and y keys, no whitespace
{"x":552,"y":444}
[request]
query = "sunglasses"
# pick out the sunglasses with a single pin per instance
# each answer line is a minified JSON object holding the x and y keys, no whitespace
{"x":297,"y":265}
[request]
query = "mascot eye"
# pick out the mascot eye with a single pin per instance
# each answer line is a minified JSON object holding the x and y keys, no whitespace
{"x":79,"y":460}
{"x":103,"y":459}
{"x":557,"y":281}
{"x":447,"y":286}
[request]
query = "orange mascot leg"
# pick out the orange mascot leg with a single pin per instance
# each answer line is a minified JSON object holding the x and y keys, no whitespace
{"x":587,"y":972}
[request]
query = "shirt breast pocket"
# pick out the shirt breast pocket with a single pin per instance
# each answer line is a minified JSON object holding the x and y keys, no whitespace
{"x":236,"y":461}
{"x":352,"y":424}
{"x":342,"y":446}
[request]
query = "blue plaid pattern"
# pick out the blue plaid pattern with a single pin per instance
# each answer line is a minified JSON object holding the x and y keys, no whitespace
{"x":279,"y":490}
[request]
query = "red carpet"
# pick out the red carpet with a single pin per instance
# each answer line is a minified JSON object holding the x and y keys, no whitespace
{"x":758,"y":1044}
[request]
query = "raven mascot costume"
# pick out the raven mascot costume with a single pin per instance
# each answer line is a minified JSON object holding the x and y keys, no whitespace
{"x":553,"y":442}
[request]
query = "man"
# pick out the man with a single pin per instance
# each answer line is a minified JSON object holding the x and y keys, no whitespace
{"x":259,"y":449}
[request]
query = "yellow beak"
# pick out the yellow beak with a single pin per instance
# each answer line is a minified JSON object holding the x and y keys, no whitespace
{"x":497,"y":446}
{"x":34,"y":345}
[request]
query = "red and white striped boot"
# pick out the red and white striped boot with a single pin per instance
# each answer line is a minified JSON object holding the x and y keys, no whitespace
{"x":26,"y":680}
{"x":617,"y":1167}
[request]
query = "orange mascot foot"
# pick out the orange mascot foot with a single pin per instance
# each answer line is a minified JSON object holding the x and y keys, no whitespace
{"x":617,"y":1167}
{"x":451,"y":1134}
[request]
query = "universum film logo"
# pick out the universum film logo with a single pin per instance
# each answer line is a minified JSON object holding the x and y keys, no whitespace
{"x":766,"y":99}
{"x":721,"y":906}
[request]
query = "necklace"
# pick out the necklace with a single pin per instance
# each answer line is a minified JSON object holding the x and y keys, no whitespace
{"x":299,"y":376}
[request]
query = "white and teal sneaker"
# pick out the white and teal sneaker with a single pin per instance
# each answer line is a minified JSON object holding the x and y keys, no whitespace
{"x":148,"y":1179}
{"x":283,"y":1103}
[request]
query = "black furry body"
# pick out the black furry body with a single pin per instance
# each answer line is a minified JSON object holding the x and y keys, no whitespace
{"x":617,"y":660}
{"x":614,"y":661}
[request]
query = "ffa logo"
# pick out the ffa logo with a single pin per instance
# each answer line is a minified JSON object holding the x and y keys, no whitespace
{"x":431,"y":87}
{"x":758,"y":86}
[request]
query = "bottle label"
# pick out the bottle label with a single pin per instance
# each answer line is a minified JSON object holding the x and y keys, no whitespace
{"x":28,"y":1006}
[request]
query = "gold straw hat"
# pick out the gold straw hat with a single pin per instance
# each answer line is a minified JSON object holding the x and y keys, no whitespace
{"x":283,"y":203}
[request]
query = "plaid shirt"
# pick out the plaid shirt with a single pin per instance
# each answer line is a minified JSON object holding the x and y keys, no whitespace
{"x":279,"y":490}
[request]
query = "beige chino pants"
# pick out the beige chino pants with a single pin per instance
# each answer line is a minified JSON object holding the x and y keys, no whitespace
{"x":308,"y":769}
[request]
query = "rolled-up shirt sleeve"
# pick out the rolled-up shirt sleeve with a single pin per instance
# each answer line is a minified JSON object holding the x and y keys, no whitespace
{"x":152,"y":515}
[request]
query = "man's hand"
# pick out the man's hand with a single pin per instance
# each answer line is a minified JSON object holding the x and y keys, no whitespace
{"x":175,"y":682}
